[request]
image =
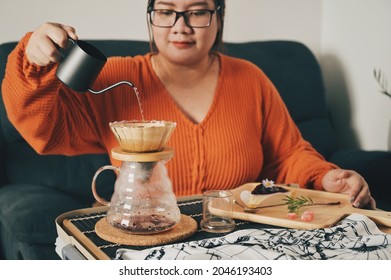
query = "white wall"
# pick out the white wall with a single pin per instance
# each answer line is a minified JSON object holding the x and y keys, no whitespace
{"x":112,"y":19}
{"x":355,"y":40}
{"x":298,"y":20}
{"x":349,"y":37}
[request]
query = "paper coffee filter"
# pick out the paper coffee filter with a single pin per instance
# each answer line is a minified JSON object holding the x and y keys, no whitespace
{"x":138,"y":136}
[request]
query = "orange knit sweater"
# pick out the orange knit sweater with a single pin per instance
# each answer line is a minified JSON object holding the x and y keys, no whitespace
{"x":247,"y":135}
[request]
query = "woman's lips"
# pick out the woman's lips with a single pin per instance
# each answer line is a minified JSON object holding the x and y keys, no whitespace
{"x":182,"y":44}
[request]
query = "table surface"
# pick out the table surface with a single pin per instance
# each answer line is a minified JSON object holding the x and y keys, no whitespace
{"x":78,"y":228}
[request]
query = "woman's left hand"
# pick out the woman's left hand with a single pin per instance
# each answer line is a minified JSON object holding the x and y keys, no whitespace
{"x":351,"y":183}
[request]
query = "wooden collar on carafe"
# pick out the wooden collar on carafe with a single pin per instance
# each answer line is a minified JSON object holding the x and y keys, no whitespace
{"x":165,"y":154}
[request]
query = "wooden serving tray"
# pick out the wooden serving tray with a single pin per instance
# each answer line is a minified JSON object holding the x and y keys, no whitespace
{"x":324,"y":215}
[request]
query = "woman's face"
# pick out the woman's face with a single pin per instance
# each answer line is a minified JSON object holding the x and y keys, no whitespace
{"x":182,"y":44}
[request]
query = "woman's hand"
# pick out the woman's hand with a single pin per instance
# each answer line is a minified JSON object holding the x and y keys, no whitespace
{"x":42,"y":46}
{"x":351,"y":183}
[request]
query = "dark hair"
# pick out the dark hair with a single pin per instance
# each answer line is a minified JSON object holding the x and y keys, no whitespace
{"x":218,"y":44}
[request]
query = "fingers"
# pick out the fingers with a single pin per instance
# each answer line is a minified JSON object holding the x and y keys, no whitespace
{"x":60,"y":33}
{"x":360,"y":195}
{"x":70,"y":31}
{"x":356,"y":186}
{"x":47,"y":52}
{"x":42,"y":48}
{"x":372,"y":203}
{"x":361,"y":198}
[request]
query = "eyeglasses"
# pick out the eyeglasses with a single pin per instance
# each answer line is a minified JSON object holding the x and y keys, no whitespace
{"x":193,"y":18}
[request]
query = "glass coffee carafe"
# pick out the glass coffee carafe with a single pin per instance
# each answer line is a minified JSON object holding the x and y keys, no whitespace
{"x":143,"y":201}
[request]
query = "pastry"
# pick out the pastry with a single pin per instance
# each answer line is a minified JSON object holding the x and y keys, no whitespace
{"x":267,"y":191}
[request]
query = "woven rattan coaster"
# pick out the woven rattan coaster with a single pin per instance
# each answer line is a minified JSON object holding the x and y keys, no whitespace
{"x":185,"y":228}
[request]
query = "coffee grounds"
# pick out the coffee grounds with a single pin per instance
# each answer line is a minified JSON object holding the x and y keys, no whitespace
{"x":145,"y":224}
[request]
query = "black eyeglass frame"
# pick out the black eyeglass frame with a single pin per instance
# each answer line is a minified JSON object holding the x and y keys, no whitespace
{"x":184,"y":15}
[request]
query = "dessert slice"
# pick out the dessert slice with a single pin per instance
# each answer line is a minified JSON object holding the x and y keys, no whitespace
{"x":267,"y":194}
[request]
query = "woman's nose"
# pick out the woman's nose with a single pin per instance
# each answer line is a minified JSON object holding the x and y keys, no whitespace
{"x":181,"y":24}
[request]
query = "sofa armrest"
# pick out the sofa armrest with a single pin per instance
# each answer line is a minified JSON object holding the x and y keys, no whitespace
{"x":374,"y":166}
{"x":2,"y":161}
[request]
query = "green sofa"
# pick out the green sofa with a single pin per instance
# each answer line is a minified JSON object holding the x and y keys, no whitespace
{"x":35,"y":189}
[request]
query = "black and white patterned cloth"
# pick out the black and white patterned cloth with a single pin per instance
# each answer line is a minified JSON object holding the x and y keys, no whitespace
{"x":355,"y":237}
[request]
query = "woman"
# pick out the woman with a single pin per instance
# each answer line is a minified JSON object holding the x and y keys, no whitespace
{"x":232,"y":127}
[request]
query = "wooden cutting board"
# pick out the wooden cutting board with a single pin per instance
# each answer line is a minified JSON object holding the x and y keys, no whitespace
{"x":324,"y":215}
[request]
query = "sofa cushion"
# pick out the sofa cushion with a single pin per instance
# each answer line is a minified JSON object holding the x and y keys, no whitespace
{"x":2,"y":161}
{"x":374,"y":166}
{"x":319,"y":138}
{"x":12,"y":249}
{"x":70,"y":175}
{"x":122,"y":47}
{"x":293,"y":69}
{"x":8,"y":131}
{"x":29,"y":211}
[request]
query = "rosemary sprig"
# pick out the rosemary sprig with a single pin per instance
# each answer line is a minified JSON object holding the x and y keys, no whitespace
{"x":295,"y":203}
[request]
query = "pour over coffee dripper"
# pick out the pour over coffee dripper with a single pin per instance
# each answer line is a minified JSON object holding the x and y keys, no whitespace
{"x":81,"y":65}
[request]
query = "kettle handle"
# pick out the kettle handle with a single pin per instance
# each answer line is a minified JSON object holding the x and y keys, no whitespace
{"x":63,"y":52}
{"x":93,"y":185}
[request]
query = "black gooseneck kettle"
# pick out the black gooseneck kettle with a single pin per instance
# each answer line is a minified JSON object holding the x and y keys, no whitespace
{"x":81,"y":65}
